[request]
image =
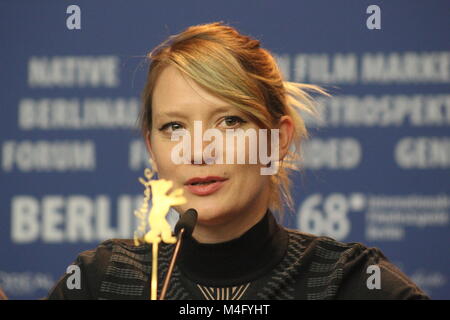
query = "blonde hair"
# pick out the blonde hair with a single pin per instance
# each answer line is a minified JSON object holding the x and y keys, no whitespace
{"x":236,"y":69}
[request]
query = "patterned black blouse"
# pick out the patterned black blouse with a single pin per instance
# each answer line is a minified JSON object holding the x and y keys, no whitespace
{"x":267,"y":262}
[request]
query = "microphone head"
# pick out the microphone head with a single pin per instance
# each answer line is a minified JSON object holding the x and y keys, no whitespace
{"x":187,"y":221}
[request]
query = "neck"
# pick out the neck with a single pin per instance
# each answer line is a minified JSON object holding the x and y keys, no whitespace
{"x":232,"y":228}
{"x":226,"y":231}
{"x":235,"y":261}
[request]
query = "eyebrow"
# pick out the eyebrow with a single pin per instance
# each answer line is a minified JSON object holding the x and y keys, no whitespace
{"x":176,"y":113}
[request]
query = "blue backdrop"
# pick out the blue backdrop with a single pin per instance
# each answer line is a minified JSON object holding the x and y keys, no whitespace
{"x":377,"y":169}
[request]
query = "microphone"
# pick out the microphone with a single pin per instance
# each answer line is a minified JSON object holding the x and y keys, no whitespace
{"x":184,"y":228}
{"x":187,"y":222}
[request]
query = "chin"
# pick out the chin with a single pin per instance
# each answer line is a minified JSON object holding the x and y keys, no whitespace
{"x":210,"y":215}
{"x":211,"y":210}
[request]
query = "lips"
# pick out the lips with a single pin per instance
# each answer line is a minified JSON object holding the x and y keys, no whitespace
{"x":203,"y":186}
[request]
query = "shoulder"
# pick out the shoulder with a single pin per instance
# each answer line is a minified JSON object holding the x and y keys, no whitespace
{"x":324,"y":247}
{"x":115,"y":254}
{"x":100,"y":256}
{"x":350,"y":270}
{"x":111,"y":258}
{"x":123,"y":246}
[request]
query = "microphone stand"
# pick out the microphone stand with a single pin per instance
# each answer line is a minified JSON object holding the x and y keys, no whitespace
{"x":183,"y":228}
{"x":172,"y":264}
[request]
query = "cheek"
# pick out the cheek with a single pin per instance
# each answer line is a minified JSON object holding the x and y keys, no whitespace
{"x":251,"y":175}
{"x":252,"y":181}
{"x":162,"y":155}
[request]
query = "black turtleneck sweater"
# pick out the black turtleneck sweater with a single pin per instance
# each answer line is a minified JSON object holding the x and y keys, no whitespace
{"x":267,"y":262}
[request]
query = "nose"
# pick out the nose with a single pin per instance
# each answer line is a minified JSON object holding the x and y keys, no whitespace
{"x":197,"y":153}
{"x":203,"y":153}
{"x":208,"y":150}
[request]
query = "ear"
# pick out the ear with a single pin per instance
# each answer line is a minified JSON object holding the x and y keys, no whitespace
{"x":286,"y":133}
{"x":148,"y":144}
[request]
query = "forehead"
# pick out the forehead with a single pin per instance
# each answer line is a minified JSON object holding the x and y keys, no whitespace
{"x":174,"y":91}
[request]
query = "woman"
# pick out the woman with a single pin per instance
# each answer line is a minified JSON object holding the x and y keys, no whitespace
{"x":224,"y":80}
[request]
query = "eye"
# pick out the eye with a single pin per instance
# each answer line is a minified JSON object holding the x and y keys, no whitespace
{"x":171,"y":125}
{"x":231,"y":122}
